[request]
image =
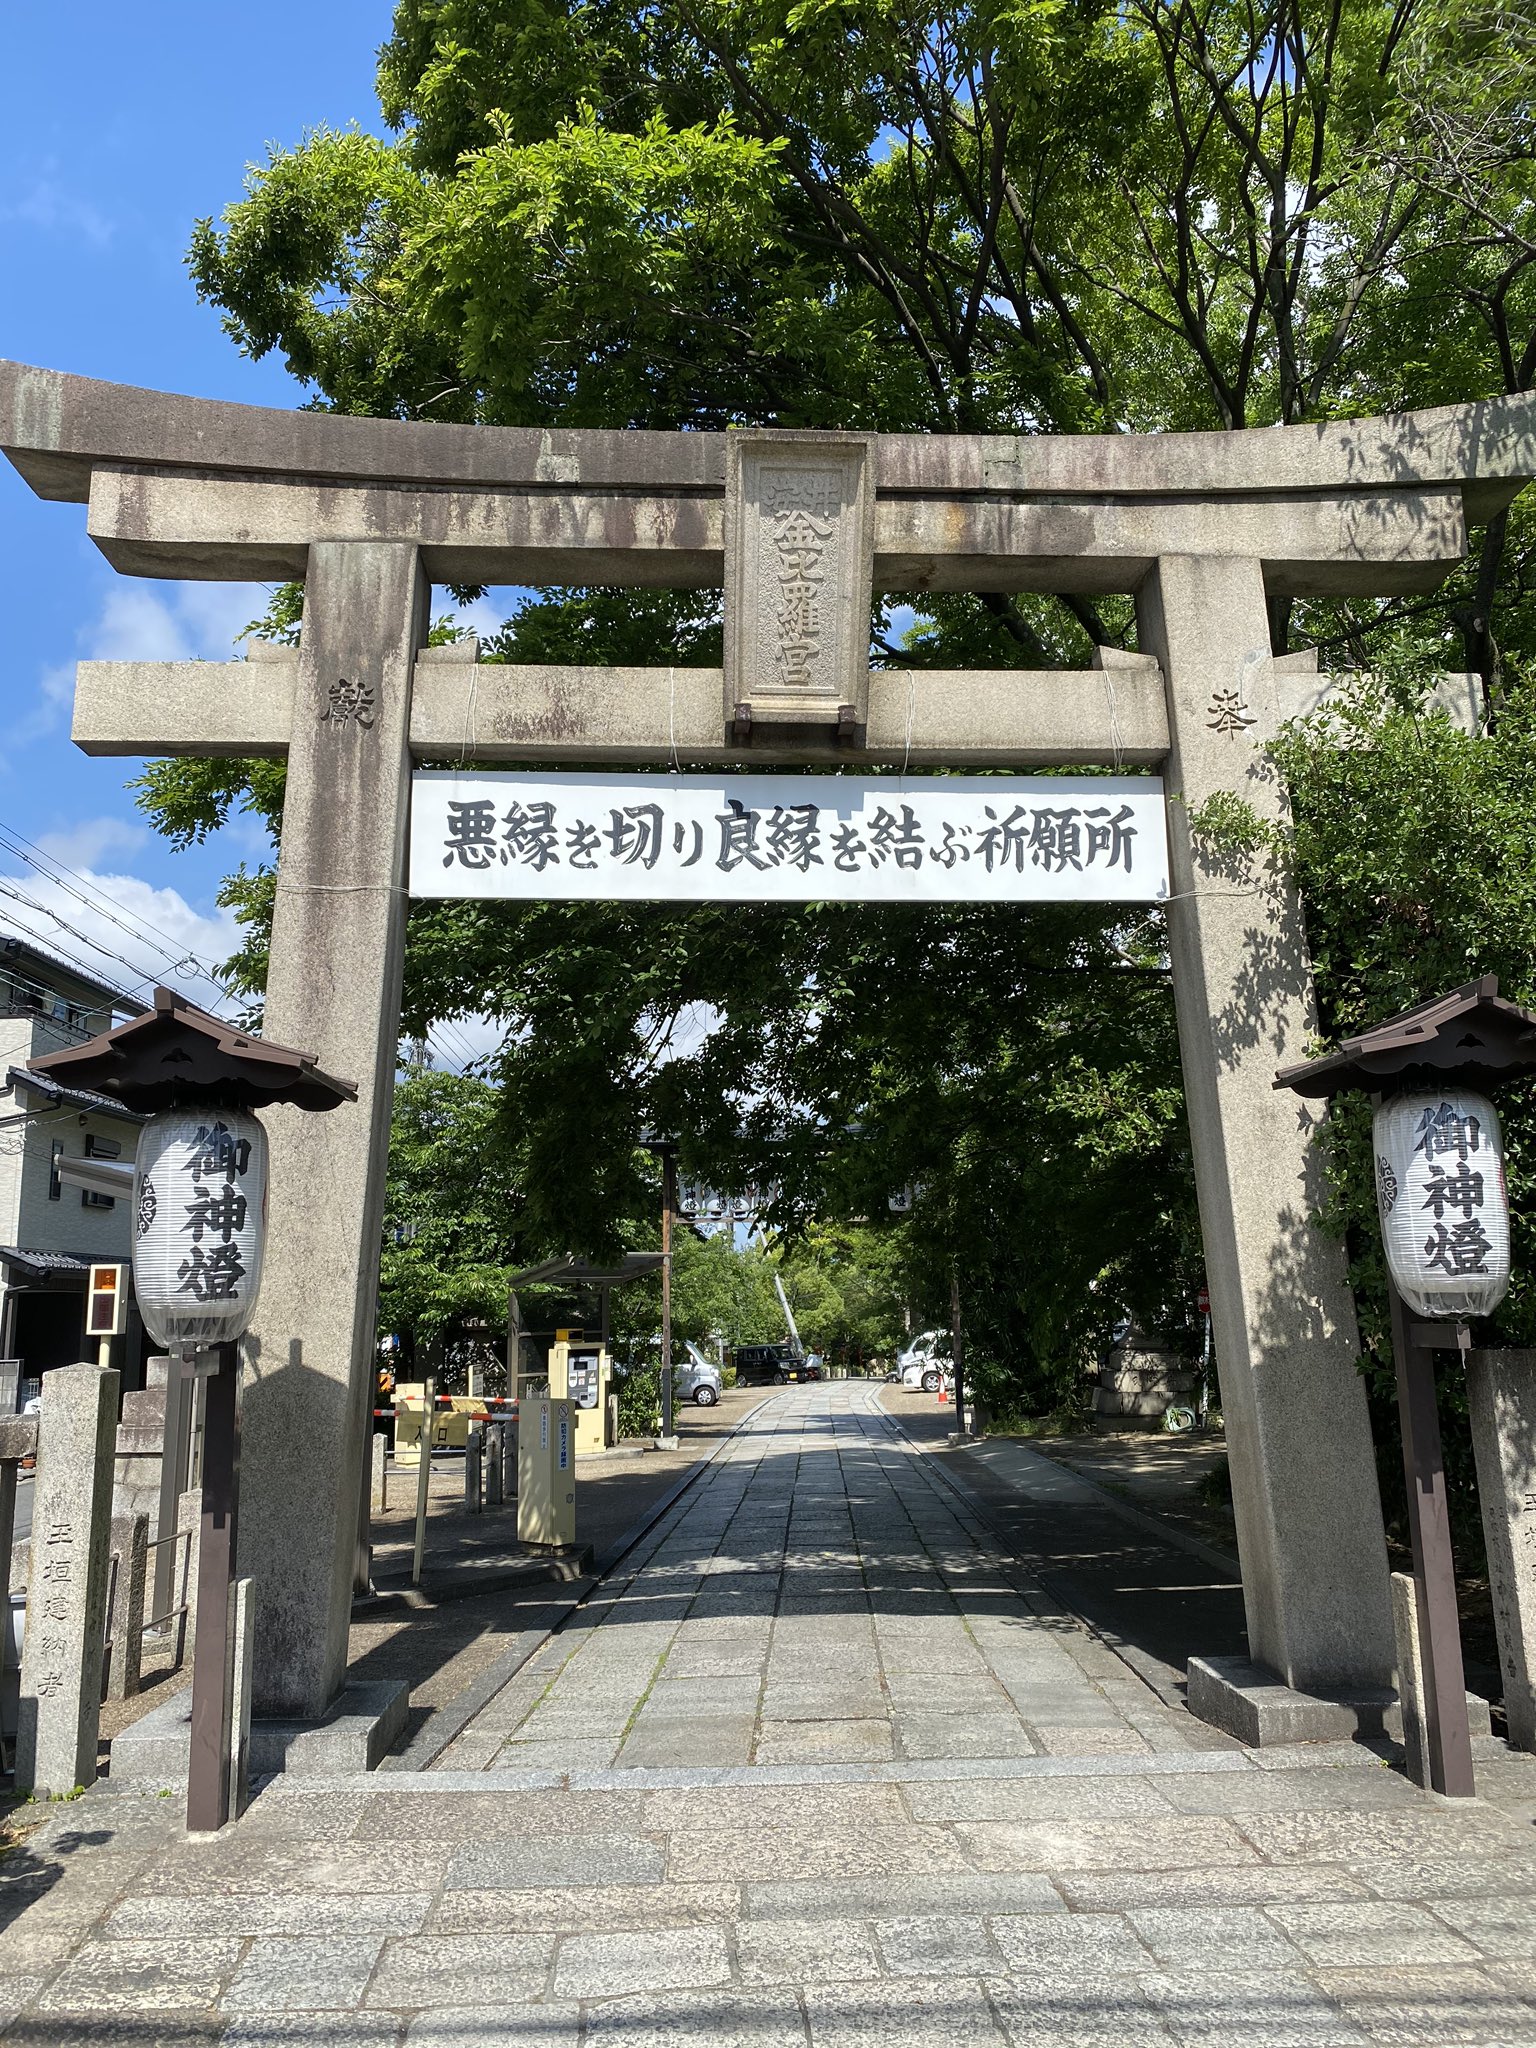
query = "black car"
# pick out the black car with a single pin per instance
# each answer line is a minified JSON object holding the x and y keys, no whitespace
{"x":768,"y":1365}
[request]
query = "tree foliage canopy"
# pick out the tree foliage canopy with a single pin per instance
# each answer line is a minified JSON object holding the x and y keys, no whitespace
{"x":1165,"y":214}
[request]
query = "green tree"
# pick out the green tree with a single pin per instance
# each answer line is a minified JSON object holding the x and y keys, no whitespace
{"x":452,"y":1208}
{"x":1168,"y":214}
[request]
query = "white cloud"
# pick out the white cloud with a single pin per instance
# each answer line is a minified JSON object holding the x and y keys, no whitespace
{"x":45,"y":205}
{"x":172,"y":621}
{"x":55,"y":697}
{"x":119,"y":927}
{"x":83,"y":845}
{"x":149,"y":622}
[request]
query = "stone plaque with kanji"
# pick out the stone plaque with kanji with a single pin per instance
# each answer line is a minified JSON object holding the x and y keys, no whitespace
{"x":798,"y":538}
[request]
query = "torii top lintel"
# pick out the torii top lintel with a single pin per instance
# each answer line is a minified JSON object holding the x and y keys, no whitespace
{"x":197,"y":487}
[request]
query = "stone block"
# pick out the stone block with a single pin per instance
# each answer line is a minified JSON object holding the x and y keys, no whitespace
{"x":1250,"y":1703}
{"x":723,"y":2018}
{"x":61,"y":1658}
{"x":934,"y":1944}
{"x":1363,"y":1934}
{"x":805,"y":1952}
{"x":657,"y":1959}
{"x":1191,"y":1936}
{"x":135,"y":1977}
{"x":1501,"y":1399}
{"x":312,"y":2030}
{"x":363,"y":1726}
{"x":242,"y":1645}
{"x":523,"y":1861}
{"x":1204,"y":2009}
{"x":129,"y":1542}
{"x":942,"y":2012}
{"x":1410,"y":1677}
{"x":500,"y":1969}
{"x":1428,"y":2005}
{"x":799,"y":539}
{"x":493,"y":2026}
{"x":304,"y":1973}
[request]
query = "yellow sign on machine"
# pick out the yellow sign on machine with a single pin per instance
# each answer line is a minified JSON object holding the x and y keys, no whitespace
{"x":546,"y":1472}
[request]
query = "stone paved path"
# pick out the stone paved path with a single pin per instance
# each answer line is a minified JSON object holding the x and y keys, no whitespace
{"x":822,"y":1594}
{"x":1080,"y":1871}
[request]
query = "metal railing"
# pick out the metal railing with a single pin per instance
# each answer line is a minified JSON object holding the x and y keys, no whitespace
{"x":149,"y":1624}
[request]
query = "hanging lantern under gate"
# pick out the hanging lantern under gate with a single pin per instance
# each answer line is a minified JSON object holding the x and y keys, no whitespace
{"x":1441,"y":1197}
{"x":199,"y":1224}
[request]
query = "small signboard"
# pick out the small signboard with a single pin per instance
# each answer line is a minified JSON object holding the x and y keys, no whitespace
{"x":790,"y":838}
{"x":106,"y":1302}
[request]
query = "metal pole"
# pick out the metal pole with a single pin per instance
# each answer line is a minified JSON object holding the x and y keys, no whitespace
{"x":212,"y":1671}
{"x":424,"y":1477}
{"x":668,"y":1204}
{"x":1447,"y":1738}
{"x":957,"y":1348}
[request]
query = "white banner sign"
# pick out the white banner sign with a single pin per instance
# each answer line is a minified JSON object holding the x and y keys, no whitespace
{"x":790,"y":838}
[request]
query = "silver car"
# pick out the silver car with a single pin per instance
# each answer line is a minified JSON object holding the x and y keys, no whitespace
{"x":697,"y":1381}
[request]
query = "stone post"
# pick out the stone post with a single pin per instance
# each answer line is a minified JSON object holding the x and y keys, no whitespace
{"x":333,"y":988}
{"x":62,"y":1652}
{"x":378,"y":1489}
{"x":241,"y":1650}
{"x":1501,"y":1397}
{"x":180,"y":1395}
{"x":1410,"y":1676}
{"x":10,"y":1385}
{"x":130,"y":1546}
{"x":1309,"y":1529}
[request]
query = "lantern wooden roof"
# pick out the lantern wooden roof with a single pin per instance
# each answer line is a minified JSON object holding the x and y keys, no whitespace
{"x":1471,"y":1035}
{"x":177,"y":1055}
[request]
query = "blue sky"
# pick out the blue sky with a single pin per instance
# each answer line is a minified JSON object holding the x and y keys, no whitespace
{"x":123,"y":125}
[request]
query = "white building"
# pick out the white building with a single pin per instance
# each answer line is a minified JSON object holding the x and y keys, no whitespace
{"x":50,"y":1234}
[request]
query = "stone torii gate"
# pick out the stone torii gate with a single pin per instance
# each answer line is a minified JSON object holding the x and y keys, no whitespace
{"x":1201,"y":528}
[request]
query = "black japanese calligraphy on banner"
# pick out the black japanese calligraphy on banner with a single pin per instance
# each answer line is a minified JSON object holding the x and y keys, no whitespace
{"x":786,"y":838}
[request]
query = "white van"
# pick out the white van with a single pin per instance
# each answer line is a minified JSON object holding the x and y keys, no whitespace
{"x":920,"y":1366}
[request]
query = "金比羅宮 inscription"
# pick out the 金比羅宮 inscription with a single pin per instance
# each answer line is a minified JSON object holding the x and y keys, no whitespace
{"x":797,"y":577}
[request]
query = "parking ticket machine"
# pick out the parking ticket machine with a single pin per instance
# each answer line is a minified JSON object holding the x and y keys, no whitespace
{"x":580,"y":1372}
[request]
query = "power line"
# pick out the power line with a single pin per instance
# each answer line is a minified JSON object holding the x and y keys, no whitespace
{"x":74,"y":884}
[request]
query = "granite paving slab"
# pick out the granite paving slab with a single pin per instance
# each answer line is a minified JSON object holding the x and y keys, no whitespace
{"x":1084,"y":1866}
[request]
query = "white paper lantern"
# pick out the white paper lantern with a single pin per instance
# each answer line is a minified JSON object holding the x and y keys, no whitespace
{"x":199,"y":1222}
{"x":1441,"y":1197}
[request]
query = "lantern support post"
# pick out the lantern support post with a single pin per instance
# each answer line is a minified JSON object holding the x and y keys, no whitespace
{"x":208,"y":1769}
{"x":1447,"y":1734}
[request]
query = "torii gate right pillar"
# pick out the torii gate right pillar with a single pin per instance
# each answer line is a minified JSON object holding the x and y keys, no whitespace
{"x":1309,"y":1528}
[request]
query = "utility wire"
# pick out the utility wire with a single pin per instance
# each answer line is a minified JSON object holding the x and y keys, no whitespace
{"x":143,"y":931}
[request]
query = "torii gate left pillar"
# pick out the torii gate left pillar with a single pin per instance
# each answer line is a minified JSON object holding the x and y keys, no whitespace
{"x":338,"y":944}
